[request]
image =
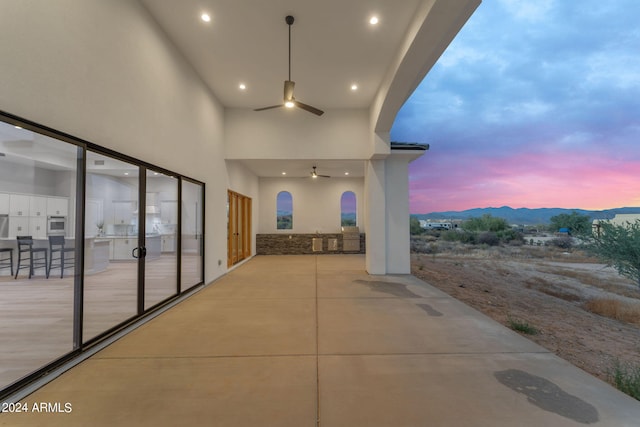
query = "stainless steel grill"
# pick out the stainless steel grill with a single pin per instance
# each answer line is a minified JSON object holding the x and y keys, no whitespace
{"x":350,"y":239}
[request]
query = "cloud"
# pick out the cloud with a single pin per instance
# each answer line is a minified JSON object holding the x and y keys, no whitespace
{"x":530,"y":98}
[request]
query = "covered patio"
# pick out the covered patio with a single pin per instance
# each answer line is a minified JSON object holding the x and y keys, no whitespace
{"x":315,"y":340}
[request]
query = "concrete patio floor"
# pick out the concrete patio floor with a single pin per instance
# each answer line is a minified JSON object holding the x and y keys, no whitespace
{"x":313,"y":340}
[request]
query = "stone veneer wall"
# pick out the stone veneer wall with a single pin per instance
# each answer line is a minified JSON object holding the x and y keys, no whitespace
{"x":299,"y":244}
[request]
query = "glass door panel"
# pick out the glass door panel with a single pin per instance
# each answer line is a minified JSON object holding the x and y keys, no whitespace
{"x":161,"y":226}
{"x":38,"y":189}
{"x":191,"y":267}
{"x":111,"y":239}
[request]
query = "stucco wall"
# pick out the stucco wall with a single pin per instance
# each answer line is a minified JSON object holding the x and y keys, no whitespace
{"x":316,"y":203}
{"x":243,"y":181}
{"x":103,"y":71}
{"x":296,"y":134}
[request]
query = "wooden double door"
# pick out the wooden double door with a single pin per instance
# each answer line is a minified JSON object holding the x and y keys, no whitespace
{"x":239,"y":228}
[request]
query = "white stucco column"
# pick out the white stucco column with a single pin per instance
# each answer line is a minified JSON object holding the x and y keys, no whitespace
{"x":375,"y":216}
{"x":398,"y":259}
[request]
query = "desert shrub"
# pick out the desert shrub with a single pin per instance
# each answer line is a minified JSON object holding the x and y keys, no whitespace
{"x":460,"y":236}
{"x":614,"y":309}
{"x":626,"y":378}
{"x":521,"y":326}
{"x":485,"y":223}
{"x":488,"y":238}
{"x":564,"y":242}
{"x":510,"y":235}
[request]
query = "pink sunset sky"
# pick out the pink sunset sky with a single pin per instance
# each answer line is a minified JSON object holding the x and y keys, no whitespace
{"x":534,"y":104}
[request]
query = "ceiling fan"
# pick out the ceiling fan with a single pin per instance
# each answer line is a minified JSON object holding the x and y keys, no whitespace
{"x":314,"y":174}
{"x":289,"y":100}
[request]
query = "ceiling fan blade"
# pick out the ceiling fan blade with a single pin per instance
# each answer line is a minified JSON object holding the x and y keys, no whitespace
{"x":288,"y":90}
{"x":309,"y":108}
{"x":268,"y":108}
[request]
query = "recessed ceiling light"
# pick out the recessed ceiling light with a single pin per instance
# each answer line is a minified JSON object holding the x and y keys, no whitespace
{"x":284,"y":173}
{"x":126,"y":173}
{"x":346,"y":173}
{"x":373,"y":20}
{"x":205,"y":17}
{"x":242,"y":86}
{"x":156,"y":173}
{"x":354,"y":87}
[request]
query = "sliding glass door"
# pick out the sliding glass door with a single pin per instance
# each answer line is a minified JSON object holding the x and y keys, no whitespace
{"x":38,"y":187}
{"x":160,"y":239}
{"x":111,"y":238}
{"x":112,"y":234}
{"x":192,"y":232}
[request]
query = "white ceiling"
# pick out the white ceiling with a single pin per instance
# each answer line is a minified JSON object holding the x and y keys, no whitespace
{"x":333,"y":46}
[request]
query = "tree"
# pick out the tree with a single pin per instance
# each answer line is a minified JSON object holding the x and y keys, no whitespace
{"x":486,"y":223}
{"x":619,"y":246}
{"x":576,"y":223}
{"x":414,"y":226}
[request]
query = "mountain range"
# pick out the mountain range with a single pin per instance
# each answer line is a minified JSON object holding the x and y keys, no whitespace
{"x":524,"y":216}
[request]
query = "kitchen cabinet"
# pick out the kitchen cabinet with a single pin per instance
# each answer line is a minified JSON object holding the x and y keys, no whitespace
{"x":123,"y":247}
{"x":57,"y":206}
{"x":153,"y":245}
{"x":37,"y":206}
{"x":169,"y":243}
{"x":123,"y":212}
{"x":18,"y":226}
{"x":169,"y":212}
{"x":18,"y":205}
{"x":4,"y":204}
{"x":38,"y":227}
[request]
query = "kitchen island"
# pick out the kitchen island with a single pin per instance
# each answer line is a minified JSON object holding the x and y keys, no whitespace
{"x":96,"y":255}
{"x":96,"y":251}
{"x":122,"y":247}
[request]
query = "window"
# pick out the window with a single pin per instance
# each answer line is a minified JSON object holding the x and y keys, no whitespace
{"x":348,"y":209}
{"x":284,"y":211}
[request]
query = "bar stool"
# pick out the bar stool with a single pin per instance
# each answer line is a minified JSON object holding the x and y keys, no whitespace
{"x":56,"y":246}
{"x":27,"y":256}
{"x":6,"y":262}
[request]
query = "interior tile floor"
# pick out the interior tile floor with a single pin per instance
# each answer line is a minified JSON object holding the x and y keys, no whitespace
{"x":314,"y":340}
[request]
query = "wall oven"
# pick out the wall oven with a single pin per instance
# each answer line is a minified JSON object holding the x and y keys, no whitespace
{"x":56,"y":225}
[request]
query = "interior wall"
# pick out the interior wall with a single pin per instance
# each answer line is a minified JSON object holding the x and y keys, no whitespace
{"x":296,"y":134}
{"x":103,"y":71}
{"x":316,"y":203}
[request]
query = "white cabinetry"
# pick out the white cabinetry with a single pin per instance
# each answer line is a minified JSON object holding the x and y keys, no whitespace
{"x":18,"y":226}
{"x":169,"y":212}
{"x":38,"y":227}
{"x":57,"y":206}
{"x":37,"y":206}
{"x":18,"y":205}
{"x":123,"y":212}
{"x":123,"y":248}
{"x":4,"y":204}
{"x":169,"y":243}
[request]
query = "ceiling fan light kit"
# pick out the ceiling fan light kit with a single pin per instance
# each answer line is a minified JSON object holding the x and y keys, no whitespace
{"x":314,"y":174}
{"x":289,"y":100}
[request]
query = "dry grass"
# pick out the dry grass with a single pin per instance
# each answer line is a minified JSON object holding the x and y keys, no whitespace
{"x":619,"y":286}
{"x":614,"y":309}
{"x":546,"y":287}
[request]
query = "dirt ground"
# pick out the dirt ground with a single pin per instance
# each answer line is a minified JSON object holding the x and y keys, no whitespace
{"x":546,"y":288}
